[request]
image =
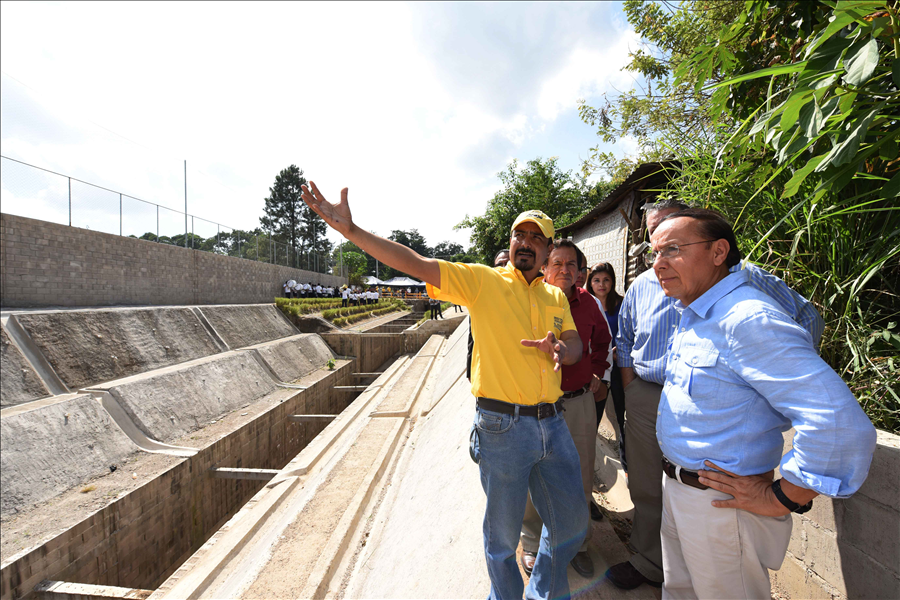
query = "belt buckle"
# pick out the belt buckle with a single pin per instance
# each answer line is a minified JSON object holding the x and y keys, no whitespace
{"x":544,"y":411}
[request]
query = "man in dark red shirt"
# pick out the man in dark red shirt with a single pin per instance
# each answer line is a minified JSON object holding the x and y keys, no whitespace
{"x":579,"y":382}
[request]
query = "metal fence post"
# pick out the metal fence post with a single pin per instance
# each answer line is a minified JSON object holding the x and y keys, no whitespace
{"x":217,"y":237}
{"x":257,"y":248}
{"x":120,"y":214}
{"x":157,"y":223}
{"x":70,"y":201}
{"x":192,"y":232}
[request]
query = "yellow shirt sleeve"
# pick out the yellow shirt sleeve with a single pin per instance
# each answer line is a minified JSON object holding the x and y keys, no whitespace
{"x":460,"y":283}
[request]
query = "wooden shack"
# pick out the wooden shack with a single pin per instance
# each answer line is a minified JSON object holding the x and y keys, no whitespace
{"x":614,"y":229}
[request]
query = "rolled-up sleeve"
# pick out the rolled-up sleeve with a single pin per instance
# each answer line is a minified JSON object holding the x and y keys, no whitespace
{"x":834,"y":440}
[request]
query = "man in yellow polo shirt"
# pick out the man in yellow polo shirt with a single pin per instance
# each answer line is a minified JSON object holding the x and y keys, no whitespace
{"x":519,"y":440}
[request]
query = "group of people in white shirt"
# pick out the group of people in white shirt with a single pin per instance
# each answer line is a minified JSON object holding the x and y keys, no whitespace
{"x":295,"y":289}
{"x":354,"y":296}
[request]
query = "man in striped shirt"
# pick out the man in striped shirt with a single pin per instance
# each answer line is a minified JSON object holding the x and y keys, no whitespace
{"x":647,"y":322}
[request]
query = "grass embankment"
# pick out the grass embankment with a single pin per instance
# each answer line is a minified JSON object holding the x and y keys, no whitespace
{"x":332,"y":311}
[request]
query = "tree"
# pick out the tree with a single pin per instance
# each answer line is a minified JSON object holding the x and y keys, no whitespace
{"x":539,"y":185}
{"x":411,"y":239}
{"x":804,"y":98}
{"x":285,"y":211}
{"x":355,"y":264}
{"x":669,"y":117}
{"x":447,"y":249}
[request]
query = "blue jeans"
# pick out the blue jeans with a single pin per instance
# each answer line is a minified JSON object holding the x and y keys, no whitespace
{"x":515,"y":455}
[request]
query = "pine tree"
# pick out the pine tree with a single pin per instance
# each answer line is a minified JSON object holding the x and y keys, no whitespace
{"x":285,"y":212}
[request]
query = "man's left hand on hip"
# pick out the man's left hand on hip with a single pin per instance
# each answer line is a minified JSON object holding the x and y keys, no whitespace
{"x":752,"y":493}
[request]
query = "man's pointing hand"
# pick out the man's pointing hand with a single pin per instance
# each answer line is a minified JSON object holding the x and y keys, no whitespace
{"x":552,"y":346}
{"x":336,"y":215}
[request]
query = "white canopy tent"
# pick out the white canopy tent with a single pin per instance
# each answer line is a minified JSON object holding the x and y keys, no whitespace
{"x":403,"y":282}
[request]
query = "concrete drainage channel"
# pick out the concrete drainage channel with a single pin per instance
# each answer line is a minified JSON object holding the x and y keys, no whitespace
{"x":262,"y":417}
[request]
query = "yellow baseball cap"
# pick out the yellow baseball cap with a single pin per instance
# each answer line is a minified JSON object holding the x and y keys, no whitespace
{"x":539,"y":219}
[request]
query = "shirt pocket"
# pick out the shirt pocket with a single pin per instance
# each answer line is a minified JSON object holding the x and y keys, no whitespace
{"x":703,"y":380}
{"x":554,"y":321}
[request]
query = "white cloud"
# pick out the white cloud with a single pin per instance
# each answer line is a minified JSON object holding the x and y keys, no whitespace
{"x":415,"y":108}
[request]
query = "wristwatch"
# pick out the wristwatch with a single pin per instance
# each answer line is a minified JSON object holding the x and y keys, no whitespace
{"x":787,"y":502}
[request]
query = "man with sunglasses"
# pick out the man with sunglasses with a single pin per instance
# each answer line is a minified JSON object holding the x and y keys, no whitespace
{"x":525,"y":333}
{"x":647,"y":323}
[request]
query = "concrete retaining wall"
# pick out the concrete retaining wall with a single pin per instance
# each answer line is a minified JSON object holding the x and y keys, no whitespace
{"x":87,"y":347}
{"x":370,"y":349}
{"x":141,"y":538}
{"x":849,"y":548}
{"x":295,"y":357}
{"x":177,"y":401}
{"x":45,"y":264}
{"x":45,"y":451}
{"x":19,"y":383}
{"x":414,"y":338}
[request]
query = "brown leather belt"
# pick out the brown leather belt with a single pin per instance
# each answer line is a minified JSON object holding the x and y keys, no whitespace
{"x":686,"y":477}
{"x":574,"y":393}
{"x":541,"y":411}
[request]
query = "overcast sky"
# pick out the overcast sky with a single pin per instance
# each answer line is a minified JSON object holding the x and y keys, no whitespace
{"x":414,"y":107}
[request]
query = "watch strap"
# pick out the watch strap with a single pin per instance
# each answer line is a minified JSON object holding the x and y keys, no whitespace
{"x":787,"y":502}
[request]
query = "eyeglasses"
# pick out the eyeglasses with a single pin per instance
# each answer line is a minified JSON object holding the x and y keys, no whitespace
{"x":668,"y":252}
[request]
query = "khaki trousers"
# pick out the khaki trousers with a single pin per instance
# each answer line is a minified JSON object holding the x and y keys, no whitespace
{"x":721,"y":553}
{"x":581,"y":417}
{"x":644,"y":473}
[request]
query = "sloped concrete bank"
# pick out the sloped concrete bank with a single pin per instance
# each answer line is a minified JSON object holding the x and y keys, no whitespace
{"x":185,"y":391}
{"x":141,"y":538}
{"x":20,"y":382}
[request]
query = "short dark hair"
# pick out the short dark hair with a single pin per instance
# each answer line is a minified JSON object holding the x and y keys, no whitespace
{"x":667,"y":203}
{"x":582,"y":260}
{"x":567,"y":243}
{"x":712,"y":226}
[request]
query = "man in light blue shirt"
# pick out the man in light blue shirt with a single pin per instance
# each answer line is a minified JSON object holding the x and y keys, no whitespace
{"x":739,"y":373}
{"x":647,"y":320}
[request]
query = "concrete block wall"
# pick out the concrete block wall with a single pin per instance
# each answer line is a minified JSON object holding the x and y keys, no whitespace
{"x":604,"y":240}
{"x":46,"y":264}
{"x":141,"y":538}
{"x":849,"y":548}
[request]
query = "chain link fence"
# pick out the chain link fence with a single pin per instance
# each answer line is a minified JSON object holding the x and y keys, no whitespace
{"x":37,"y":193}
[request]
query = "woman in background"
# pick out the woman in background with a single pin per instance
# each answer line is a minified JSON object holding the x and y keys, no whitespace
{"x":601,"y":282}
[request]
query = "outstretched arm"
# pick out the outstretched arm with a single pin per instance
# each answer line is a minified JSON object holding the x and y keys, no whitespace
{"x":395,"y":255}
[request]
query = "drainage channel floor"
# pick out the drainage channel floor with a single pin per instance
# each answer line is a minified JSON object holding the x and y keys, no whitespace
{"x":297,"y":552}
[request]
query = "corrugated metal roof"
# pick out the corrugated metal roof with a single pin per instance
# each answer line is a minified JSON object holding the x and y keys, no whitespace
{"x":612,"y":199}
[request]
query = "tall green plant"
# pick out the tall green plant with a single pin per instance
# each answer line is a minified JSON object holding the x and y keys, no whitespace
{"x":810,"y":173}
